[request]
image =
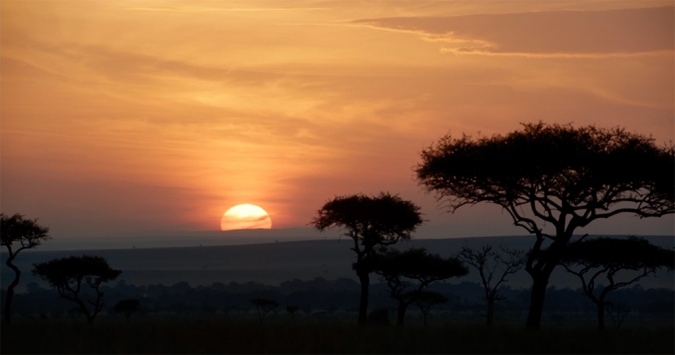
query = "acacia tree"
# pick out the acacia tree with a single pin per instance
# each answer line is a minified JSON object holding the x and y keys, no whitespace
{"x":635,"y":258}
{"x":492,"y":266}
{"x":69,"y":274}
{"x":26,"y":234}
{"x":408,"y":273}
{"x":264,"y":306}
{"x":551,"y":180}
{"x":373,"y":223}
{"x":292,"y":310}
{"x":427,"y":299}
{"x":127,"y":308}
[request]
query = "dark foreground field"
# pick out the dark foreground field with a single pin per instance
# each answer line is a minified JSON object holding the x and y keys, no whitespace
{"x":213,"y":337}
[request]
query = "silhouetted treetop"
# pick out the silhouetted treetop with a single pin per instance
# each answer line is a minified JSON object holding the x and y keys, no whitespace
{"x":557,"y":167}
{"x":381,"y":219}
{"x":264,"y":306}
{"x":127,"y":307}
{"x":417,"y":264}
{"x":619,"y":254}
{"x":26,"y":233}
{"x":62,"y":273}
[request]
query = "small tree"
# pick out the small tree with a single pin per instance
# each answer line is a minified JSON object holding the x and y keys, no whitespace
{"x":400,"y":269}
{"x":493,"y":266}
{"x":263,"y":306}
{"x":636,"y":258}
{"x":551,"y":180}
{"x":373,"y":223}
{"x":617,"y":312}
{"x":292,"y":310}
{"x":424,"y":300}
{"x":127,"y":307}
{"x":67,"y":275}
{"x":27,"y":234}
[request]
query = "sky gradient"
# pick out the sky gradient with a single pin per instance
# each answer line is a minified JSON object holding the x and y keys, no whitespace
{"x":122,"y":117}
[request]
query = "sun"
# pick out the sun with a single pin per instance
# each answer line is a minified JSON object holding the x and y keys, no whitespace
{"x":245,"y":216}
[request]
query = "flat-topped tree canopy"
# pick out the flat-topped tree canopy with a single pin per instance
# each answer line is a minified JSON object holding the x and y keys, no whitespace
{"x":553,"y":176}
{"x":64,"y":272}
{"x":26,"y":233}
{"x":417,"y":264}
{"x":619,"y":254}
{"x":564,"y":175}
{"x":374,"y":220}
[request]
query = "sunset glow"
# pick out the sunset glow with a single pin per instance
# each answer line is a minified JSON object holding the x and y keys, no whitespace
{"x":156,"y":115}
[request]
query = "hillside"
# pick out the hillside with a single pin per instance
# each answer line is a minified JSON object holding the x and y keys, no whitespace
{"x":272,"y":263}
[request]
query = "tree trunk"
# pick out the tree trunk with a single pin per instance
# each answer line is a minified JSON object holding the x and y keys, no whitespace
{"x":90,"y":320}
{"x":363,"y":302}
{"x":10,"y":292}
{"x":400,"y":315}
{"x":425,"y":319}
{"x":601,"y":315}
{"x":490,"y":311}
{"x":537,"y":295}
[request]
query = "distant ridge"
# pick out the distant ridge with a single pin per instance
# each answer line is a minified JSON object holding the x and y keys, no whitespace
{"x":179,"y":239}
{"x":157,"y":239}
{"x":275,"y":262}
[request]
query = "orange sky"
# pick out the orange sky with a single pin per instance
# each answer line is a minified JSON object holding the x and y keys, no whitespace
{"x":120,"y":117}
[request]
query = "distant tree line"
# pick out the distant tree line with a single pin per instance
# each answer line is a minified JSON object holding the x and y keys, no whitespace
{"x":339,"y":297}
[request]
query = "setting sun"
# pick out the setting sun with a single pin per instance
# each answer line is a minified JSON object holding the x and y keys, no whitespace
{"x":245,"y":216}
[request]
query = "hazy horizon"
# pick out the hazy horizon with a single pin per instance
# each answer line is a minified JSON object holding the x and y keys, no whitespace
{"x":158,"y":239}
{"x":271,"y":262}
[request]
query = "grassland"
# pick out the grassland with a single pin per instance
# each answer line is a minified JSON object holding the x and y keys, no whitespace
{"x":203,"y":337}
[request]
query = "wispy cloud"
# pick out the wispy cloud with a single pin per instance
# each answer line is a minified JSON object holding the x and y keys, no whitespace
{"x":553,"y":34}
{"x":225,"y":9}
{"x":475,"y":51}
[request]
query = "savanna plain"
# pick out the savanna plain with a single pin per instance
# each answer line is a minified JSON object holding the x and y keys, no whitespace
{"x":223,"y":336}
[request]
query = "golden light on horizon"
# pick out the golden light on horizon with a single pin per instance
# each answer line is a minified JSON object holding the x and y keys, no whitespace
{"x":174,"y":106}
{"x":245,"y":216}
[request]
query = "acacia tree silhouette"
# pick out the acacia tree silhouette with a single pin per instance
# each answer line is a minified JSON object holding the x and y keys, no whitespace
{"x":127,"y":307}
{"x":552,"y":179}
{"x":68,"y":274}
{"x":373,"y":223}
{"x":292,"y":310}
{"x":617,"y":312}
{"x":427,"y":299}
{"x":27,"y":234}
{"x":263,"y":306}
{"x":589,"y":259}
{"x":492,"y":266}
{"x":396,"y":268}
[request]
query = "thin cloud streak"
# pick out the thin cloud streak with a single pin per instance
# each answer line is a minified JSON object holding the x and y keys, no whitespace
{"x":231,"y":9}
{"x":471,"y":51}
{"x":617,"y":31}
